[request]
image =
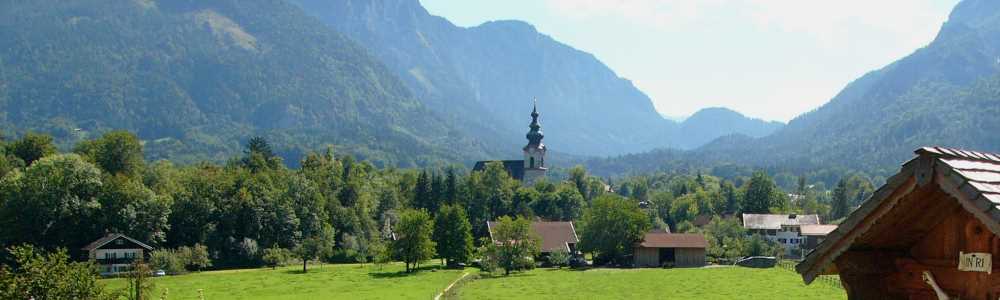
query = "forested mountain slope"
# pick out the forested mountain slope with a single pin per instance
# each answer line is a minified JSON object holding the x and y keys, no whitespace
{"x":947,"y":93}
{"x":195,"y":77}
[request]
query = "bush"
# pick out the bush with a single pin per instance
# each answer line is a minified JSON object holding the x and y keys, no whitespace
{"x":180,"y":260}
{"x":167,"y":260}
{"x":559,"y":258}
{"x":276,"y":257}
{"x":49,"y":276}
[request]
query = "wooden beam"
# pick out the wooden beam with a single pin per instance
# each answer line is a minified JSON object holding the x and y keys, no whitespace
{"x":857,"y":224}
{"x":954,"y":189}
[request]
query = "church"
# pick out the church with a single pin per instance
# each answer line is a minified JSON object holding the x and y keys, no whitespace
{"x":532,"y":167}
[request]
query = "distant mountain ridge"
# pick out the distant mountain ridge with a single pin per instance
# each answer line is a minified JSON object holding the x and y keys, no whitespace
{"x":947,"y":94}
{"x":710,"y":123}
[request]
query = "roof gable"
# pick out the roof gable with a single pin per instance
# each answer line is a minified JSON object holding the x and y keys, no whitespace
{"x":111,"y":237}
{"x":940,"y":177}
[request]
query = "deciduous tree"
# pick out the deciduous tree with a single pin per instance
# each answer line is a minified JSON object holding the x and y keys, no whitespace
{"x":413,"y":242}
{"x":610,"y":228}
{"x":514,"y":244}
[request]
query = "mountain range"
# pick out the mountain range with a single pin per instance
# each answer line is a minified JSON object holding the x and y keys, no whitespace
{"x":195,"y":79}
{"x":391,"y":83}
{"x":485,"y":78}
{"x":947,"y":94}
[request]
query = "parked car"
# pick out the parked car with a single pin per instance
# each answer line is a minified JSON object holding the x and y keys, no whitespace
{"x":577,"y":261}
{"x":456,"y":265}
{"x":159,"y":273}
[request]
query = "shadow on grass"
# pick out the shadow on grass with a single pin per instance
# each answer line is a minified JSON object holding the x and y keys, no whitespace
{"x":399,"y":274}
{"x":568,"y":269}
{"x":500,"y":275}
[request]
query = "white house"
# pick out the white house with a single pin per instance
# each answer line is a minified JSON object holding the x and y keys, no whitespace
{"x":114,"y":253}
{"x":786,"y":230}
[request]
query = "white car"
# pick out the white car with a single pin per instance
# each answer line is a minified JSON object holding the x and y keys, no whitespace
{"x":160,"y":273}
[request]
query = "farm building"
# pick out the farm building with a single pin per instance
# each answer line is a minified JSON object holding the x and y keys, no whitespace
{"x":782,"y":229}
{"x":813,"y":235}
{"x":114,"y":253}
{"x":555,"y":235}
{"x":929,"y":233}
{"x":660,"y":248}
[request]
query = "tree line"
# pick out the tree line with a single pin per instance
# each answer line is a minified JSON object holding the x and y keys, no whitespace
{"x":254,"y":211}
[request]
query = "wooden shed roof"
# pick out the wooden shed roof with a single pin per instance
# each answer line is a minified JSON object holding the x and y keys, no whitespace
{"x":664,"y":239}
{"x":890,"y":219}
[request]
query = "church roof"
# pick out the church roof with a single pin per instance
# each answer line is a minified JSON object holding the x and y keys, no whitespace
{"x":515,"y":168}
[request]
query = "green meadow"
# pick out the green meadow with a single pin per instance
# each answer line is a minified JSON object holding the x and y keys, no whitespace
{"x":340,"y":281}
{"x":368,"y":282}
{"x":703,"y":283}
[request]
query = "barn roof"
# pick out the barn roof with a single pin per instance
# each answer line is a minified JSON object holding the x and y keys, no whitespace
{"x":950,"y":178}
{"x":515,"y":168}
{"x":555,"y":235}
{"x":769,"y":221}
{"x":663,"y":239}
{"x":111,"y":237}
{"x":817,"y":230}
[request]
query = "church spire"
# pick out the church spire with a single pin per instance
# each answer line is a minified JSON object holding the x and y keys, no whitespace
{"x":535,"y":134}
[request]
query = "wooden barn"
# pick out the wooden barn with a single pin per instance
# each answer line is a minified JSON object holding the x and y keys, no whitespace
{"x":661,"y":248}
{"x":929,"y":233}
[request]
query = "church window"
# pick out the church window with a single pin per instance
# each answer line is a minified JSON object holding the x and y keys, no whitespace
{"x":532,"y":162}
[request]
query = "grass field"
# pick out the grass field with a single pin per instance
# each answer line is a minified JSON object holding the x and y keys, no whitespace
{"x":356,"y":282}
{"x":709,"y":283}
{"x":326,"y":282}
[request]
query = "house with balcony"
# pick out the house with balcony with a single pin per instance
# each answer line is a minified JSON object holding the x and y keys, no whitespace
{"x":115,"y":252}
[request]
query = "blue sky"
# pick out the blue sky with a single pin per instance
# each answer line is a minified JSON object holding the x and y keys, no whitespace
{"x":771,"y":59}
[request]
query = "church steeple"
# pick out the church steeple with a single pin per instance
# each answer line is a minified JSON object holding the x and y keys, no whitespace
{"x":535,"y":135}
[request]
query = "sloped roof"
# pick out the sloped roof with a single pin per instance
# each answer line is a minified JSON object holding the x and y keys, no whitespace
{"x":663,"y":239}
{"x":970,"y":178}
{"x":817,"y":230}
{"x":111,"y":237}
{"x":771,"y":221}
{"x":555,"y":235}
{"x":515,"y":168}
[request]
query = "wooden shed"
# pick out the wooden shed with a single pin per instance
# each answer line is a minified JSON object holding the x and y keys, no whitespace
{"x":929,"y":233}
{"x":660,"y":248}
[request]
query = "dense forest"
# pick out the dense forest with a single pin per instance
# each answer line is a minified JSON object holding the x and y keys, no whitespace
{"x":253,"y":202}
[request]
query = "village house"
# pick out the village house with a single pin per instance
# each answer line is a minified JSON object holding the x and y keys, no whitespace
{"x":532,"y":167}
{"x":929,"y":233}
{"x":556,"y":236}
{"x":786,"y":230}
{"x":114,"y":253}
{"x":661,"y":248}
